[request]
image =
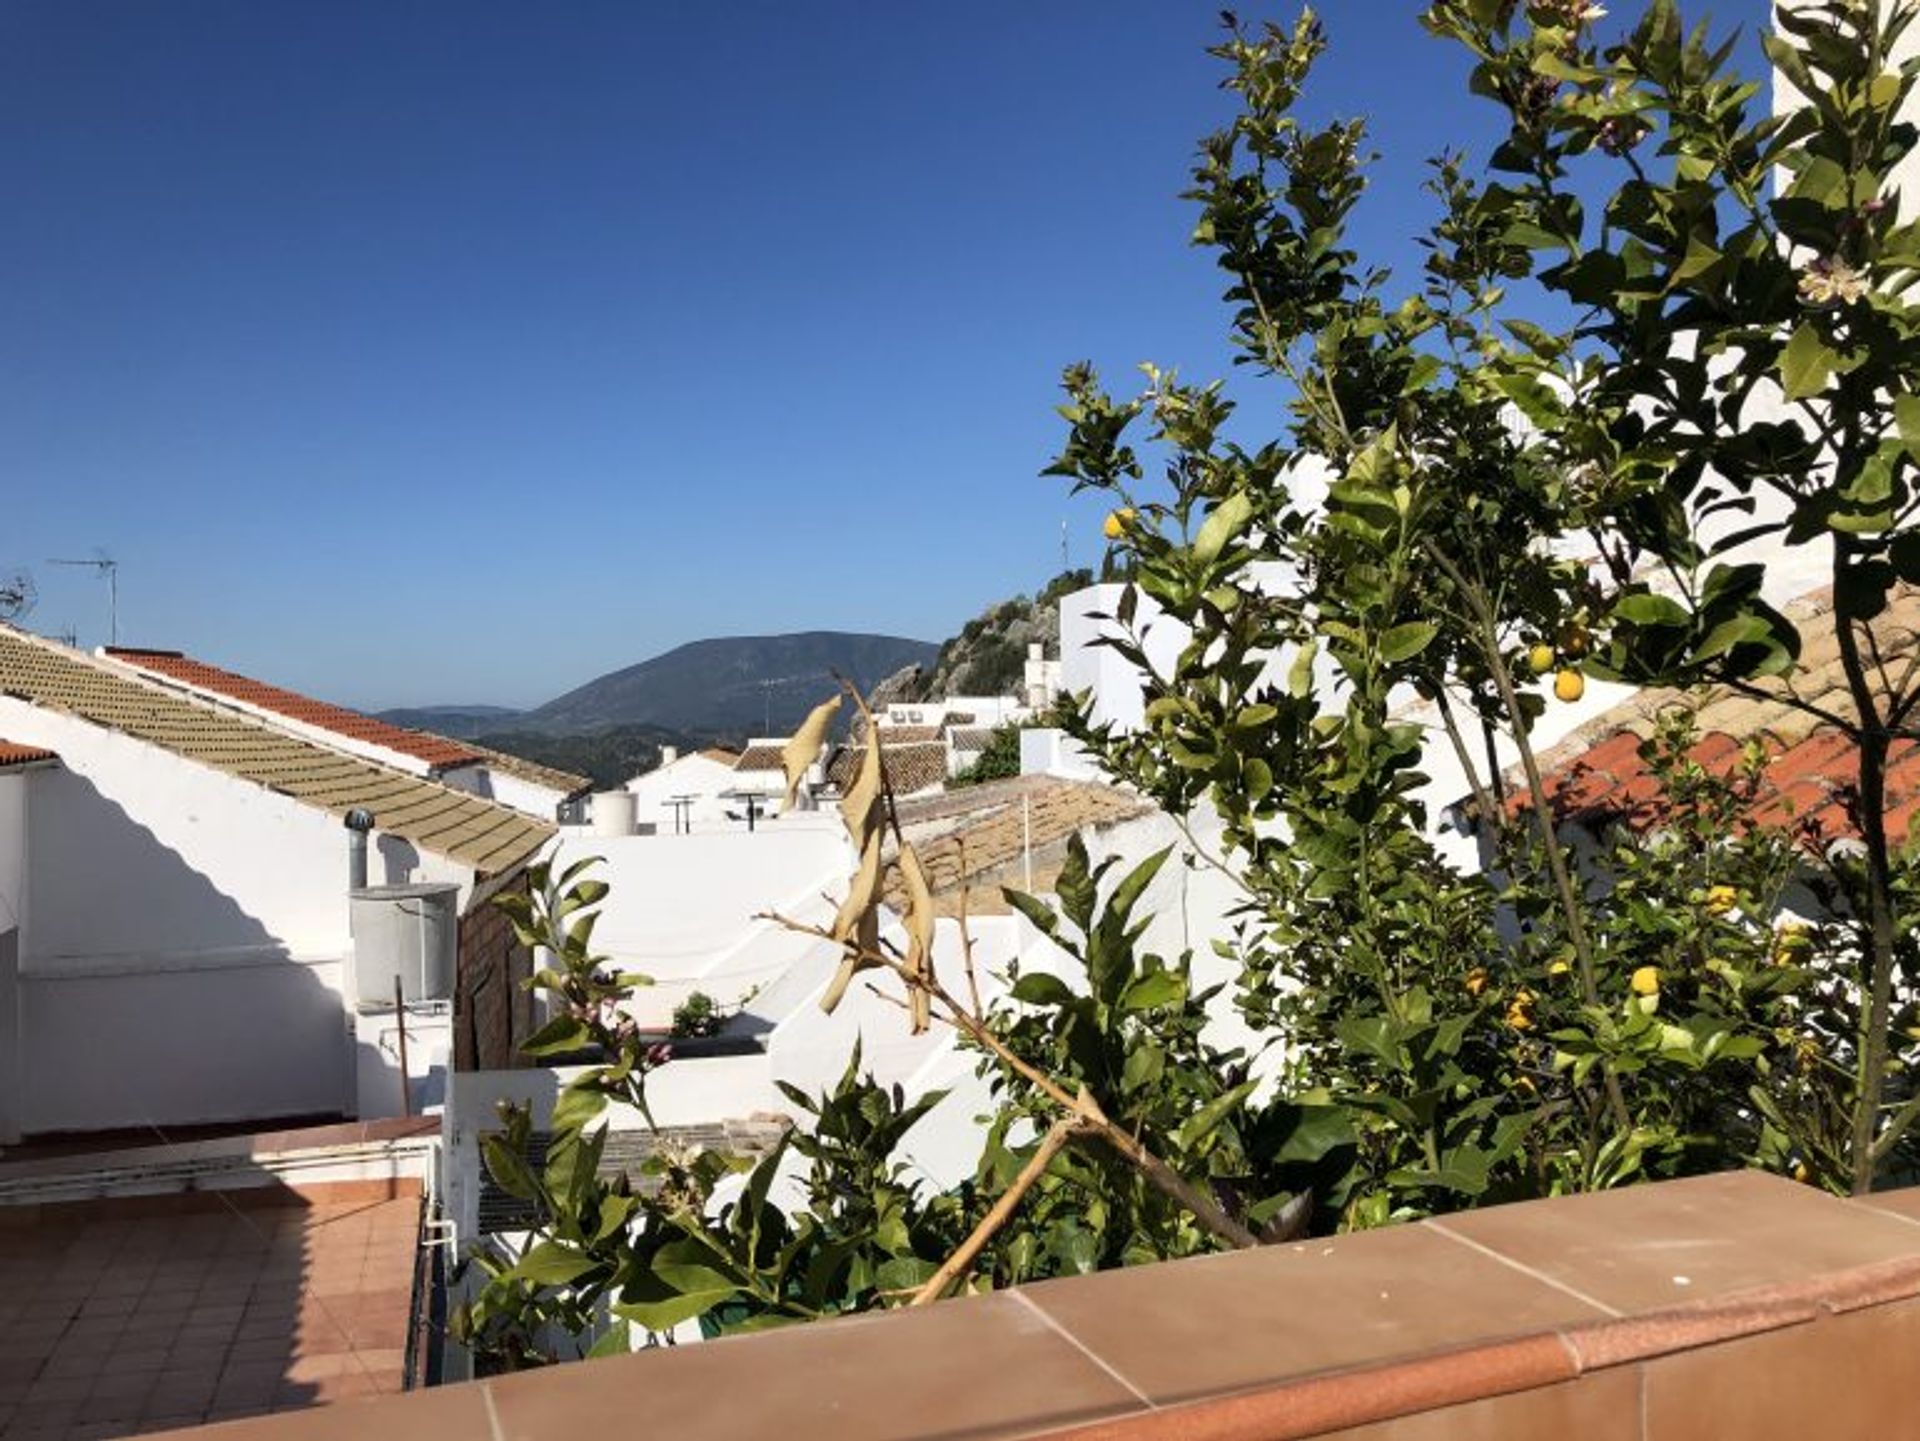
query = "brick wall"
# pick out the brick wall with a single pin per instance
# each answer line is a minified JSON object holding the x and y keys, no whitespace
{"x":492,"y":1010}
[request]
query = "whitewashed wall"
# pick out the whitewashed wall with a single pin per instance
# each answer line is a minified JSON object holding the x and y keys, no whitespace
{"x":694,"y":775}
{"x":185,"y":939}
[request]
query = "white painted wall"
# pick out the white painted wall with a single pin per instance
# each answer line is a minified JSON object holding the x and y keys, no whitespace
{"x":694,"y":775}
{"x":14,"y":789}
{"x":681,"y":908}
{"x":183,"y":957}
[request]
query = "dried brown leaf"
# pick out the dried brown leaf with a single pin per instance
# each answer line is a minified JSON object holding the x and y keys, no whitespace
{"x":803,"y":748}
{"x":860,"y":806}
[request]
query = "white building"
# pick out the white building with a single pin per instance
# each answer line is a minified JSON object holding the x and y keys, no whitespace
{"x":542,"y":791}
{"x":175,"y":937}
{"x":684,"y":791}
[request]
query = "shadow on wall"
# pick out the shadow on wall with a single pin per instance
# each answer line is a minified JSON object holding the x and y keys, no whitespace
{"x":100,"y":883}
{"x":133,"y":954}
{"x":150,"y":1312}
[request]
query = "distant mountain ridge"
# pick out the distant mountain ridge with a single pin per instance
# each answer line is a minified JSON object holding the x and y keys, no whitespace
{"x":462,"y":722}
{"x":727,"y":688}
{"x":733,"y":686}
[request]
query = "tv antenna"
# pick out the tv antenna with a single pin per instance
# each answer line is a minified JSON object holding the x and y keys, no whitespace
{"x":766,"y":697}
{"x":110,"y":569}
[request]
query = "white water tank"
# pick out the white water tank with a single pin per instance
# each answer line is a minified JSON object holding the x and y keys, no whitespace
{"x":614,"y":813}
{"x":409,"y":932}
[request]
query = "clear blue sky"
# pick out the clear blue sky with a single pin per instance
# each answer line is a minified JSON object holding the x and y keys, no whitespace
{"x":444,"y":352}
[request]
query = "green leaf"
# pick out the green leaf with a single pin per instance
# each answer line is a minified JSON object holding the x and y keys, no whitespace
{"x":1037,"y":988}
{"x":1806,"y":364}
{"x":552,"y":1264}
{"x":1226,"y":521}
{"x":1127,"y":894}
{"x":1205,"y":1121}
{"x":1043,"y":916}
{"x":1404,"y":642}
{"x":1153,"y":990}
{"x":563,"y":1033}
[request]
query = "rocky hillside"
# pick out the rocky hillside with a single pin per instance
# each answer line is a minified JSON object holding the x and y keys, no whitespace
{"x":989,"y":656}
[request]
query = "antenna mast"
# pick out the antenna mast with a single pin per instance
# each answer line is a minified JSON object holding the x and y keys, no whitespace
{"x":109,"y":568}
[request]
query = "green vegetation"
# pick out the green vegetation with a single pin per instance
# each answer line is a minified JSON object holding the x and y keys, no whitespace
{"x":1432,"y":1038}
{"x":998,"y":761}
{"x":608,"y":758}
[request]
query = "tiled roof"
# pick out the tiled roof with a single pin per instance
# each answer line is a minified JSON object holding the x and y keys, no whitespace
{"x":970,"y":738}
{"x":550,"y":778}
{"x":760,"y":758}
{"x":910,"y":768}
{"x":908,"y":735}
{"x":18,"y":755}
{"x":980,"y":834}
{"x":470,"y":829}
{"x":437,"y":751}
{"x":719,"y":755}
{"x":1810,"y":784}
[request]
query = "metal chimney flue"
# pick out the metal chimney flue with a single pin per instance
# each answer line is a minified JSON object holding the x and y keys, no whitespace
{"x":359,"y":821}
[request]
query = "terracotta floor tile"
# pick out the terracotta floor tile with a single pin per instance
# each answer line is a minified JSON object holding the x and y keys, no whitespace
{"x":1645,"y":1247}
{"x":1217,"y":1323}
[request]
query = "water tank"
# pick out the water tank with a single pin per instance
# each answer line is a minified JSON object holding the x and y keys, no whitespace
{"x":614,"y":812}
{"x":409,"y":932}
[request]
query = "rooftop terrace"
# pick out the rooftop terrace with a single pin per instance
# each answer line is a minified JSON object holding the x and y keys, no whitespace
{"x":1736,"y":1305}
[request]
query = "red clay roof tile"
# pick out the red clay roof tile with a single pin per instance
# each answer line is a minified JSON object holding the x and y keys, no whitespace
{"x":437,"y":751}
{"x":12,"y":754}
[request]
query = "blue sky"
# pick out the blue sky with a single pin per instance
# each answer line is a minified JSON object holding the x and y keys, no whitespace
{"x":447,"y":352}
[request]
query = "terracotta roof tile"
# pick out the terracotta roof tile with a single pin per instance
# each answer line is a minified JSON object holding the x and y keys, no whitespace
{"x":550,"y":778}
{"x":1812,"y":776}
{"x":760,"y":758}
{"x":979,"y":834}
{"x":910,"y":768}
{"x":12,"y":755}
{"x":469,"y":829}
{"x":437,"y":751}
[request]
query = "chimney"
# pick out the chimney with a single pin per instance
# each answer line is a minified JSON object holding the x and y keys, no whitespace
{"x":359,"y":821}
{"x":668,"y":755}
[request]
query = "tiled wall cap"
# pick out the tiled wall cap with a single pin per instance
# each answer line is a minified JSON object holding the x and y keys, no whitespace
{"x":1521,"y":1295}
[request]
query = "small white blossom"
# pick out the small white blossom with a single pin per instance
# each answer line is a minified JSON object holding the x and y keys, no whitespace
{"x":1831,"y":282}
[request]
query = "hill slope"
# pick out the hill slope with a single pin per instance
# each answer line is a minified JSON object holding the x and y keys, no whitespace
{"x":462,"y":722}
{"x":730,"y":687}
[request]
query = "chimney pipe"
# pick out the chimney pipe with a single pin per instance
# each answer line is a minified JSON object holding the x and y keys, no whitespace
{"x":359,"y":821}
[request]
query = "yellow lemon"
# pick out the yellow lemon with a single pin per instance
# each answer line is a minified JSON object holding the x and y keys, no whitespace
{"x":1117,"y":522}
{"x":1520,"y":1010}
{"x":1558,"y":968}
{"x":1540,"y":658}
{"x":1791,"y":943}
{"x":1646,"y":981}
{"x":1476,"y":980}
{"x":1801,"y":1173}
{"x":1720,"y":899}
{"x":1569,"y":685}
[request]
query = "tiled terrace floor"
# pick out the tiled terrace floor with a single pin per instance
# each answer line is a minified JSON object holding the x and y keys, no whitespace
{"x":113,"y":1323}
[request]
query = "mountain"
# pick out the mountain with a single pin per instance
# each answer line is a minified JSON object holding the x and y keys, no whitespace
{"x":728,"y":688}
{"x":608,"y":758}
{"x":462,"y":722}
